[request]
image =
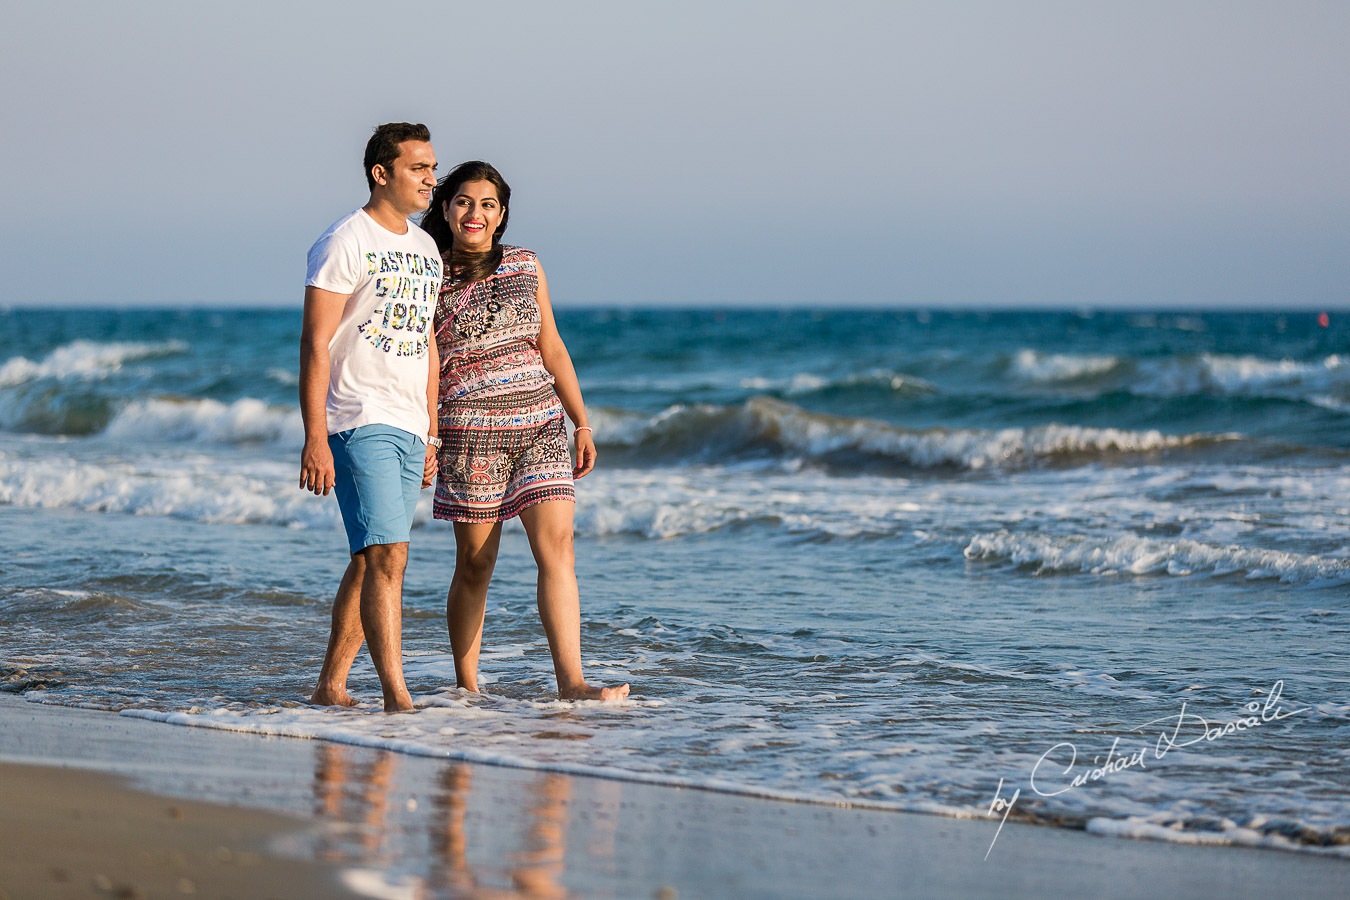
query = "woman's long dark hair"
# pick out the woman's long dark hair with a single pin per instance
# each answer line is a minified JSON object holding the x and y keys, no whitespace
{"x":461,"y":267}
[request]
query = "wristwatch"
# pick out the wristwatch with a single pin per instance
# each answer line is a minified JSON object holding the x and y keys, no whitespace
{"x":434,"y":441}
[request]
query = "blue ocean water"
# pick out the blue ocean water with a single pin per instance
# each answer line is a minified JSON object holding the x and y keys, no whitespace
{"x":906,"y":559}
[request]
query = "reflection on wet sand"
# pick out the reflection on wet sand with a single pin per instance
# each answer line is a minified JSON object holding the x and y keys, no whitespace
{"x":450,"y":867}
{"x":497,"y":843}
{"x":534,"y":870}
{"x":538,"y":868}
{"x":353,"y":799}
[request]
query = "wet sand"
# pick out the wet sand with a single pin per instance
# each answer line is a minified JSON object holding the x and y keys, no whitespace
{"x":70,"y":833}
{"x":89,"y":794}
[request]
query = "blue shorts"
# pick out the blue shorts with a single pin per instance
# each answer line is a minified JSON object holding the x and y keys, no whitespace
{"x":379,"y":475}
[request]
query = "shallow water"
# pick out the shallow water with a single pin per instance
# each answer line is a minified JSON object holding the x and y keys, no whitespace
{"x":876,"y":558}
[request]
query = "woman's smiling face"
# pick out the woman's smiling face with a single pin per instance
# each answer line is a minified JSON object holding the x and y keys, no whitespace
{"x":474,"y":214}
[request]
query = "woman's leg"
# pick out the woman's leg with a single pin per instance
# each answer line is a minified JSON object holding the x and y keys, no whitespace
{"x":475,"y":556}
{"x":549,"y":526}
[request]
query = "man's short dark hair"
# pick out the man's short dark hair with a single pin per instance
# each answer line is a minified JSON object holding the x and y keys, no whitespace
{"x":382,"y":148}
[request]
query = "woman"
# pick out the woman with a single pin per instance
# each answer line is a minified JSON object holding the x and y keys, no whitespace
{"x":506,"y":380}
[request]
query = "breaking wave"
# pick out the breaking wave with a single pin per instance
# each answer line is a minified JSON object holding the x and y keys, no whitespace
{"x":1059,"y":368}
{"x":1132,"y":555}
{"x":244,"y":421}
{"x":1324,"y":382}
{"x":199,"y":491}
{"x":764,"y":426}
{"x":649,"y":504}
{"x":84,"y":359}
{"x":803,"y":383}
{"x":761,"y":428}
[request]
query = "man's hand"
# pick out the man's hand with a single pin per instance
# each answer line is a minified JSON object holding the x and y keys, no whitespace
{"x":430,"y":467}
{"x":323,"y":310}
{"x":316,"y":468}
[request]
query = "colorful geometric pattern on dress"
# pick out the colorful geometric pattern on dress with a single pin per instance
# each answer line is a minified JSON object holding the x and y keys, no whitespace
{"x":502,"y":454}
{"x":488,"y":333}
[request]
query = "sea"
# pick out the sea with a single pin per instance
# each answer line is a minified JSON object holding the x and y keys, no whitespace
{"x":1084,"y":568}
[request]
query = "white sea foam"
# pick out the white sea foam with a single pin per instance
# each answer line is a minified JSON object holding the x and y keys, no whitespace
{"x":1217,"y":832}
{"x":655,"y":518}
{"x":1049,"y":368}
{"x":1067,"y":677}
{"x":800,"y":383}
{"x":1326,"y":380}
{"x":243,"y":421}
{"x":195,"y":488}
{"x":1132,"y":555}
{"x":666,"y":503}
{"x":807,"y":383}
{"x":84,"y":359}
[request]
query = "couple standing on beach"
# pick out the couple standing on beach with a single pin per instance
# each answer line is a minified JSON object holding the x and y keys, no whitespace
{"x":430,"y":354}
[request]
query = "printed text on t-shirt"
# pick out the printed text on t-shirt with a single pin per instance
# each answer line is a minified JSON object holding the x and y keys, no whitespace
{"x":408,"y":283}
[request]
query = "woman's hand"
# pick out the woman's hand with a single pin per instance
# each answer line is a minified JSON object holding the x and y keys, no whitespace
{"x":429,"y":467}
{"x":585,"y":453}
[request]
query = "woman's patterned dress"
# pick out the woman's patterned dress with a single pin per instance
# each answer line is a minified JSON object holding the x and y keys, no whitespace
{"x":505,"y":437}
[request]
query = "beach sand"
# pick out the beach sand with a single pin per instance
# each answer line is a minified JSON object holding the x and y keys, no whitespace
{"x":97,"y":804}
{"x":85,"y":834}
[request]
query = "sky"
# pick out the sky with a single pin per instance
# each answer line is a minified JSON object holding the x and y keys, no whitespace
{"x":956,"y":154}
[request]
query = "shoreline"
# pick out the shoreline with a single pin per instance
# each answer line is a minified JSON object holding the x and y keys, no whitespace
{"x":308,"y":811}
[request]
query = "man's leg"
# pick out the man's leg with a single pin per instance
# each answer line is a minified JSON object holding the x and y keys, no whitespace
{"x":378,"y":472}
{"x":344,"y":638}
{"x":382,"y":620}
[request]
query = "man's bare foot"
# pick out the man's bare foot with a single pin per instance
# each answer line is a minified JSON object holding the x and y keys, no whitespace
{"x":584,"y":691}
{"x":399,"y":703}
{"x":327,"y":697}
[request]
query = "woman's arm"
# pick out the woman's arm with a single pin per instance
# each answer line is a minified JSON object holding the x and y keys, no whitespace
{"x":559,"y":365}
{"x":432,"y":461}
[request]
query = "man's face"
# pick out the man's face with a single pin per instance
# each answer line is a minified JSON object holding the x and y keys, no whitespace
{"x":410,"y":179}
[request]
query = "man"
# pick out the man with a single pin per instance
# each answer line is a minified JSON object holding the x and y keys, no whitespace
{"x":368,"y":378}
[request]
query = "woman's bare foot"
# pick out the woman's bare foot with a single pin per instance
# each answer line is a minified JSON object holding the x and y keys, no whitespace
{"x":332,"y":697}
{"x":584,"y":691}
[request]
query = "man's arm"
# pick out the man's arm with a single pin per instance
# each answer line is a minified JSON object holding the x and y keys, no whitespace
{"x":323,"y":311}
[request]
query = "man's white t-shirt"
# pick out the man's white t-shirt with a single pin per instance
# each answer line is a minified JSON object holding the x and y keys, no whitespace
{"x":378,"y":354}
